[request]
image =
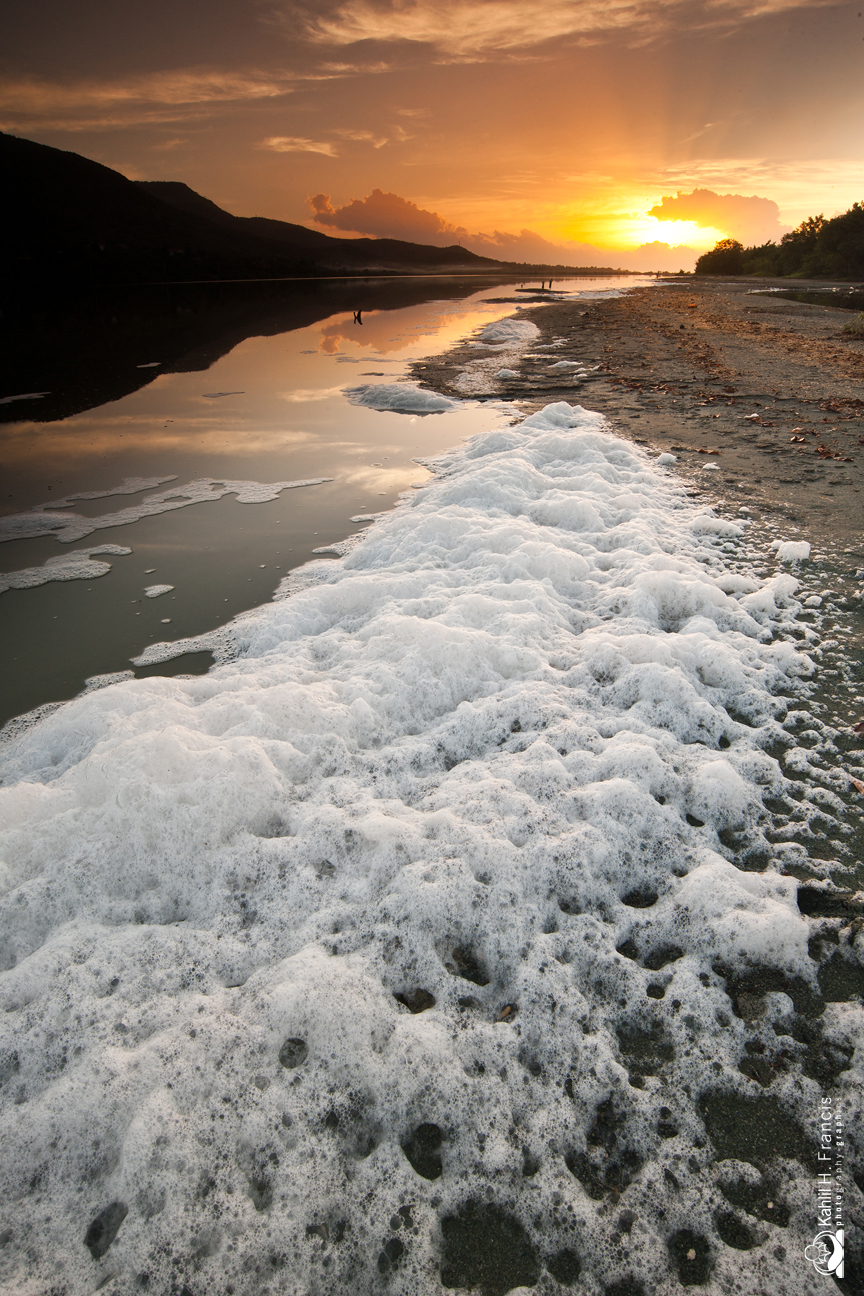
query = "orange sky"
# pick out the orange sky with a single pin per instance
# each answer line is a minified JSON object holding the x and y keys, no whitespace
{"x":529,"y":129}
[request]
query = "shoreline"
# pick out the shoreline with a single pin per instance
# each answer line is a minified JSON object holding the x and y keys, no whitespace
{"x":684,"y":367}
{"x":681,"y":370}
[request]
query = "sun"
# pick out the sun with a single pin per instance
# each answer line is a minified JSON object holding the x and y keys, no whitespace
{"x":642,"y":228}
{"x":624,"y":231}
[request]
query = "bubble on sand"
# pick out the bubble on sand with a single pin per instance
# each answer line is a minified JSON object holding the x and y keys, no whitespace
{"x":791,"y":551}
{"x":507,"y":332}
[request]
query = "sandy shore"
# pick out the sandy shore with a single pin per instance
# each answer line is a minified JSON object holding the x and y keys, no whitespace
{"x":684,"y":367}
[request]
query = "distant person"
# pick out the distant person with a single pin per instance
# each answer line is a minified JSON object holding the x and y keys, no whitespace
{"x":358,"y":317}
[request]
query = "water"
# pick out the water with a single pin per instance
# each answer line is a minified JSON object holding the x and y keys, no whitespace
{"x":851,"y":298}
{"x":238,"y":382}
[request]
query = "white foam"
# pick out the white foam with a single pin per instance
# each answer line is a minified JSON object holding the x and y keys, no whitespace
{"x":508,"y":339}
{"x":567,"y":366}
{"x":508,"y":332}
{"x":479,"y":735}
{"x":792,"y":550}
{"x":68,"y":527}
{"x":128,"y":486}
{"x":402,"y":398}
{"x":153,"y":591}
{"x":111,"y":677}
{"x":80,"y":565}
{"x":340,"y":547}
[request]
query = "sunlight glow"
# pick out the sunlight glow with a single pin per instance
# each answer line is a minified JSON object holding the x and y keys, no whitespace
{"x":647,"y":229}
{"x":627,"y":231}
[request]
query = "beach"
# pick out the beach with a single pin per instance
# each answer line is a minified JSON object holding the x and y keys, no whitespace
{"x":683,"y":367}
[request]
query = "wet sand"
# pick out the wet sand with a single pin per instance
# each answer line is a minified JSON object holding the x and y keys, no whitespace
{"x":684,"y":367}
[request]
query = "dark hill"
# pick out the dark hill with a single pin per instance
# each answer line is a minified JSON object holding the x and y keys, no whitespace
{"x":327,"y":251}
{"x":67,"y":220}
{"x":184,"y":199}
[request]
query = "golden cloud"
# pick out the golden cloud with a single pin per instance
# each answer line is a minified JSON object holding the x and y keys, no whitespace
{"x":753,"y":219}
{"x":190,"y":86}
{"x":363,"y":137}
{"x":159,"y":97}
{"x":482,"y":27}
{"x":295,"y":144}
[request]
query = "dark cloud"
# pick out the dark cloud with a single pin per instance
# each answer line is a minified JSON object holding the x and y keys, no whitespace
{"x":752,"y":220}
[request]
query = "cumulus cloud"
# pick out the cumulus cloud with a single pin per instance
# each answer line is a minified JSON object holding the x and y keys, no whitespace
{"x":295,"y":144}
{"x":471,"y":28}
{"x":387,"y":215}
{"x":524,"y":246}
{"x":752,"y":220}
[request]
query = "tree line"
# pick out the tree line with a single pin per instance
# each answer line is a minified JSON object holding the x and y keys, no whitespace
{"x":817,"y":249}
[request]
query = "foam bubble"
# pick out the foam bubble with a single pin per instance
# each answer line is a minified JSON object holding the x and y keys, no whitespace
{"x":507,"y":332}
{"x":80,"y":565}
{"x":792,"y":550}
{"x":128,"y":486}
{"x":407,"y":924}
{"x":402,"y":398}
{"x":69,"y":527}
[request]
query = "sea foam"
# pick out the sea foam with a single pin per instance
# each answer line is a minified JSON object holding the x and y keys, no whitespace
{"x":390,"y":947}
{"x":45,"y":520}
{"x":403,"y":398}
{"x":79,"y":565}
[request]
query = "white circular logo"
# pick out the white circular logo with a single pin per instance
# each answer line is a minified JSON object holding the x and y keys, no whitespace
{"x":825,"y":1253}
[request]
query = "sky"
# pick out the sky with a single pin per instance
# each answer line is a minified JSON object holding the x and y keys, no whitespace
{"x":626,"y":133}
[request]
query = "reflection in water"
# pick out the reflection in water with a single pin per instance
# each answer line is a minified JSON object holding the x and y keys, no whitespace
{"x":414,"y":326}
{"x":270,"y":410}
{"x":78,"y":352}
{"x":851,"y":299}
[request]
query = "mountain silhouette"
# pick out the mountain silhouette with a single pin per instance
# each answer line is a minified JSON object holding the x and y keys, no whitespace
{"x":67,"y":220}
